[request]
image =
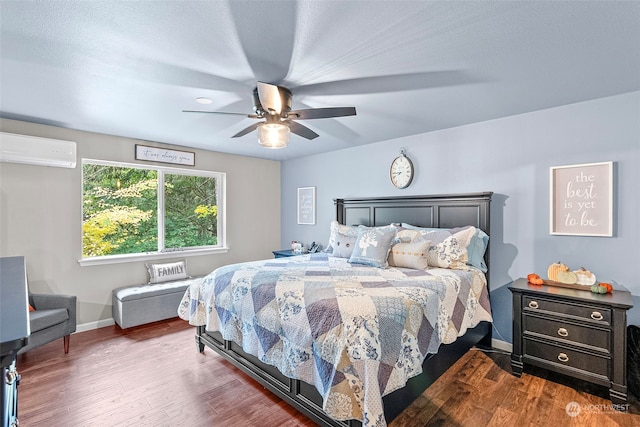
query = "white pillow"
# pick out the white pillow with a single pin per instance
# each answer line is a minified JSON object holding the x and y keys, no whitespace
{"x":337,"y":228}
{"x":167,"y":272}
{"x":343,"y":245}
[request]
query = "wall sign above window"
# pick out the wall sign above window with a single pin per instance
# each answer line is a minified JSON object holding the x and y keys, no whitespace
{"x":163,"y":155}
{"x":582,"y":200}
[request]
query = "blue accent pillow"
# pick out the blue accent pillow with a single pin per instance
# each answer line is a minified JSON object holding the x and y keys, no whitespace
{"x":476,"y":249}
{"x":373,"y":245}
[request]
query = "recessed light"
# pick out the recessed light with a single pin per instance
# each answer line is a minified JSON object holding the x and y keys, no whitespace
{"x":203,"y":100}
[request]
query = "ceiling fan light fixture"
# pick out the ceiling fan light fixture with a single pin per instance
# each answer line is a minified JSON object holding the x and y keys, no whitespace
{"x":273,"y":135}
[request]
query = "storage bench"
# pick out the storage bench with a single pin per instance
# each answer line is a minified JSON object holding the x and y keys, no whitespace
{"x":137,"y":305}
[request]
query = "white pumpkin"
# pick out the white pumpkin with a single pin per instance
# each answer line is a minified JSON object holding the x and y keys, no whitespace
{"x":585,"y":277}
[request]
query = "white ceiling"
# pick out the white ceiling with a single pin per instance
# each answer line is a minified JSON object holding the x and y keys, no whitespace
{"x":128,"y":68}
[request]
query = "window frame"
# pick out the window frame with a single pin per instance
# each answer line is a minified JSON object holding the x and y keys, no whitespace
{"x":221,"y":247}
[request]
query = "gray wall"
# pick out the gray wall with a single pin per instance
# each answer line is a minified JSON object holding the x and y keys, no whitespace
{"x":511,"y":157}
{"x":40,"y":217}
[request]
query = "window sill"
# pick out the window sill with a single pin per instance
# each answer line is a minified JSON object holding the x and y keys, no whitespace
{"x":119,"y":259}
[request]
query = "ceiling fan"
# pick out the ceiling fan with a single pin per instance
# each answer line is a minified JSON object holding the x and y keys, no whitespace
{"x":273,"y":104}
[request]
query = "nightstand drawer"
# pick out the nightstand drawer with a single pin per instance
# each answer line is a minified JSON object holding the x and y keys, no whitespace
{"x":586,"y":335}
{"x":560,"y":356}
{"x":592,"y":313}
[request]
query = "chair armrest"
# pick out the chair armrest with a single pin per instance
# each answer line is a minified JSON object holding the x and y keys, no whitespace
{"x":51,"y":301}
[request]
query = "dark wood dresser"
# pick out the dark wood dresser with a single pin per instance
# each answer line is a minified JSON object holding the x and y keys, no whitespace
{"x":572,"y":332}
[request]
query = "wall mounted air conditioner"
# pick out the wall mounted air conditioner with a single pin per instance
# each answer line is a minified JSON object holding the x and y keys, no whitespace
{"x":33,"y":150}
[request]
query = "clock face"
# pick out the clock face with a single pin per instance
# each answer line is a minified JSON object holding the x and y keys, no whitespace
{"x":401,"y":172}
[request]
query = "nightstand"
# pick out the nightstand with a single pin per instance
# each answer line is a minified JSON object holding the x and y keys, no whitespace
{"x":572,"y":332}
{"x":283,"y":253}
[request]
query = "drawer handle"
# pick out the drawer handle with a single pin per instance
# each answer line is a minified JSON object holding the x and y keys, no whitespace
{"x":563,"y":357}
{"x":534,"y":304}
{"x":563,"y":332}
{"x":596,"y":315}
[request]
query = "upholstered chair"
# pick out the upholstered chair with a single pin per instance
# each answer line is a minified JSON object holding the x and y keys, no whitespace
{"x":54,"y":317}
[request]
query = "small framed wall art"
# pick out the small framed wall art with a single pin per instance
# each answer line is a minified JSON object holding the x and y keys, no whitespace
{"x":163,"y":155}
{"x":307,"y":205}
{"x":582,"y":200}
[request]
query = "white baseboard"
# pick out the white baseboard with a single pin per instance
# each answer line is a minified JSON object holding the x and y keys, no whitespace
{"x":95,"y":325}
{"x":501,"y":345}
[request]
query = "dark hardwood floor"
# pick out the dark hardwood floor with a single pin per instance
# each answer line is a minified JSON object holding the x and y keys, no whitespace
{"x":152,"y":375}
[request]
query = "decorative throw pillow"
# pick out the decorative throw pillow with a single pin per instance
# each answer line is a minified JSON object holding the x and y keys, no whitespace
{"x":475,"y":243}
{"x":409,"y":255}
{"x":448,"y":254}
{"x":168,"y":271}
{"x":477,"y":248}
{"x":373,"y":245}
{"x":452,"y":251}
{"x":343,"y":245}
{"x":335,"y":228}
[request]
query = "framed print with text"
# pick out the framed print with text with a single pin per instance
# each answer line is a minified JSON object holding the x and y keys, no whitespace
{"x":307,"y":205}
{"x":582,"y":200}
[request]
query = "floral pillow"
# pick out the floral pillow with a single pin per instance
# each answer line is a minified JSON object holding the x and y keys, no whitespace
{"x":452,"y":251}
{"x":373,"y":245}
{"x":448,"y":254}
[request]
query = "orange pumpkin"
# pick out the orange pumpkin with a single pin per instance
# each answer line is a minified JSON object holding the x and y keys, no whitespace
{"x":534,"y":279}
{"x":554,"y":269}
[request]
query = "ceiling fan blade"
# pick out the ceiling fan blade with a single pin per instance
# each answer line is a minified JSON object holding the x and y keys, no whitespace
{"x":389,"y":83}
{"x":270,"y":98}
{"x":265,"y":31}
{"x":301,"y":130}
{"x":251,"y":116}
{"x":323,"y":113}
{"x":246,"y":130}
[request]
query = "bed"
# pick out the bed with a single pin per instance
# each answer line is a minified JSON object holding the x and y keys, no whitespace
{"x":343,"y":340}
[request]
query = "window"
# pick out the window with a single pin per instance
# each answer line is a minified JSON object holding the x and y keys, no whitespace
{"x":129,"y":210}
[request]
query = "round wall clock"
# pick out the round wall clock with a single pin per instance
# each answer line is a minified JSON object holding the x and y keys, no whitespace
{"x":401,"y":172}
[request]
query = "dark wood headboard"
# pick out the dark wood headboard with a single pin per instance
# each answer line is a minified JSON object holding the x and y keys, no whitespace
{"x":438,"y":211}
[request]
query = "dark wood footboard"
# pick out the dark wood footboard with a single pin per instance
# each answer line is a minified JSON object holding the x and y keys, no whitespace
{"x":305,"y":398}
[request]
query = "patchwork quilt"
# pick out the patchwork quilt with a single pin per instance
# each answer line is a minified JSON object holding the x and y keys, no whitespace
{"x":355,"y":332}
